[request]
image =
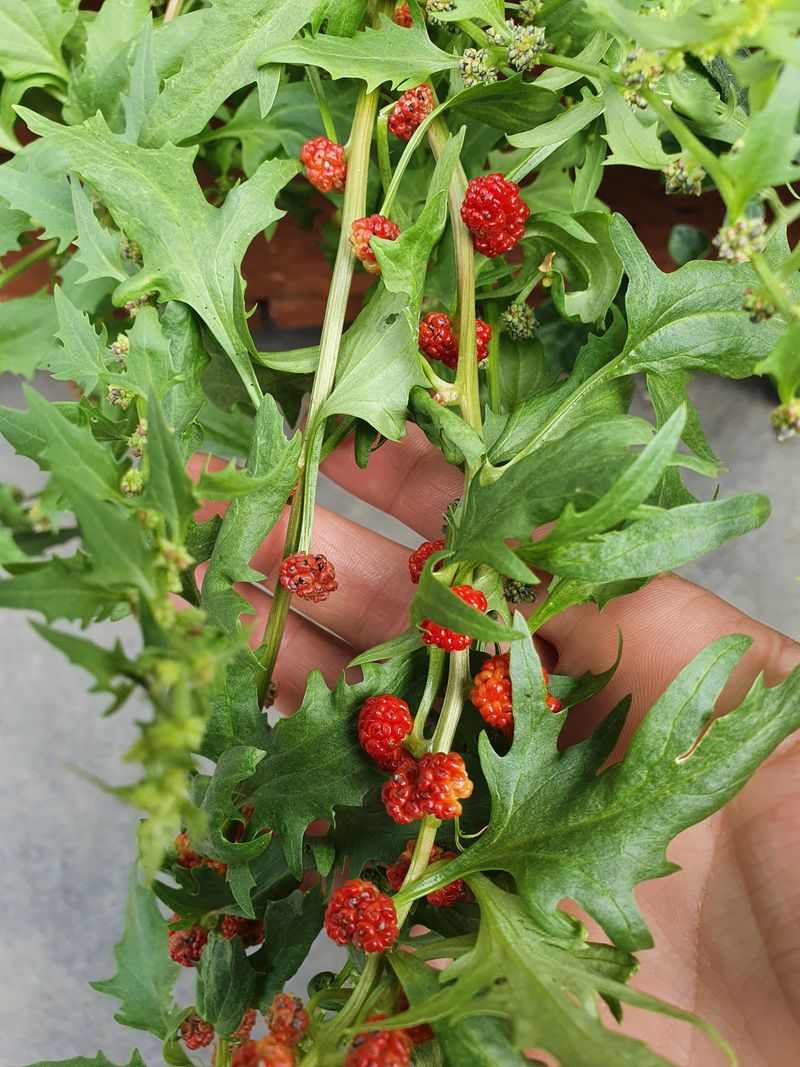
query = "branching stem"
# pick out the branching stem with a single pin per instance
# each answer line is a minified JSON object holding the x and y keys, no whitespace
{"x":39,"y":253}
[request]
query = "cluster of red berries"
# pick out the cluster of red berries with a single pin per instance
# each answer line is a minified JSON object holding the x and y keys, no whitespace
{"x":410,"y":110}
{"x":380,"y":1048}
{"x":437,"y":340}
{"x":265,"y":1052}
{"x":420,"y":556}
{"x":432,"y":785}
{"x":441,"y":898}
{"x":361,"y":234}
{"x":384,"y":722}
{"x":249,"y":931}
{"x":359,"y":914}
{"x":311,"y":577}
{"x":495,"y":214}
{"x":325,"y":165}
{"x":449,"y":640}
{"x":287,"y":1019}
{"x":402,"y":16}
{"x":491,"y":693}
{"x":197,"y":1033}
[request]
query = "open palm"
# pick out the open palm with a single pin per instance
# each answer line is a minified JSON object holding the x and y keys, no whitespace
{"x":726,"y":926}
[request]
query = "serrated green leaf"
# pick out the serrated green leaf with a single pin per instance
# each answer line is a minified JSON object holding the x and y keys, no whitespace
{"x":291,"y":927}
{"x":651,"y":545}
{"x":241,"y":30}
{"x":100,"y":1060}
{"x":168,"y":488}
{"x":585,"y":256}
{"x":31,"y":35}
{"x":35,"y":181}
{"x":633,"y":142}
{"x":225,"y":983}
{"x":236,"y":765}
{"x":191,"y":250}
{"x":12,"y":224}
{"x":435,"y":601}
{"x":59,"y":589}
{"x":390,"y":53}
{"x":536,"y":830}
{"x":445,"y":429}
{"x":106,"y":665}
{"x":545,"y":988}
{"x":81,"y":356}
{"x":563,"y":126}
{"x":236,"y":717}
{"x":27,"y":326}
{"x":250,"y":518}
{"x":314,"y":760}
{"x":578,"y":468}
{"x":99,"y":249}
{"x":408,"y":641}
{"x":145,"y":973}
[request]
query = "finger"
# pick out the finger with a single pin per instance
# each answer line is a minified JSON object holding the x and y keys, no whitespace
{"x":374,"y":593}
{"x":663,"y":626}
{"x":304,"y":646}
{"x":409,"y":479}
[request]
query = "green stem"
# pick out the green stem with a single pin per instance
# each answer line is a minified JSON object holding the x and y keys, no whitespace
{"x":301,"y":516}
{"x":322,"y":104}
{"x":416,"y":742}
{"x":773,"y":287}
{"x":407,"y":156}
{"x":39,"y":253}
{"x":223,"y":1053}
{"x":172,"y":12}
{"x":466,"y":382}
{"x":382,"y":141}
{"x":347,"y":1016}
{"x":493,"y":360}
{"x":549,"y":59}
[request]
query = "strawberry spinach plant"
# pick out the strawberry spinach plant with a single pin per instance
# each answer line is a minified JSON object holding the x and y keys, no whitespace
{"x":422,"y":809}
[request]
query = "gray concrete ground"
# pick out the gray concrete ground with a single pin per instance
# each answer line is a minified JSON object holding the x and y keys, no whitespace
{"x":67,"y":848}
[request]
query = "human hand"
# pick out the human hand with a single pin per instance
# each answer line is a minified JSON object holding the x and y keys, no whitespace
{"x":725,"y":926}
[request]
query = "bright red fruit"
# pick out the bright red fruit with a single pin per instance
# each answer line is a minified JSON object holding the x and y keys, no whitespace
{"x":362,"y":233}
{"x":265,"y":1052}
{"x":250,"y":931}
{"x":186,"y":946}
{"x":420,"y":556}
{"x":196,"y":1032}
{"x":437,"y":341}
{"x":491,"y":692}
{"x":409,"y":111}
{"x":384,"y":722}
{"x":379,"y":1048}
{"x":287,"y":1019}
{"x":449,"y":640}
{"x":444,"y":897}
{"x":311,"y":577}
{"x":495,"y":214}
{"x":187,"y":857}
{"x":402,"y":16}
{"x":434,"y":785}
{"x":324,"y":163}
{"x":245,"y":1027}
{"x":359,"y":913}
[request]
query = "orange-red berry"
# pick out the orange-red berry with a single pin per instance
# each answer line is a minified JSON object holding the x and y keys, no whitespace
{"x":362,"y":233}
{"x":420,"y":556}
{"x":495,"y":214}
{"x":409,"y":111}
{"x":359,"y":913}
{"x":491,"y":692}
{"x":324,"y":163}
{"x":249,"y":931}
{"x":402,"y":16}
{"x":433,"y":785}
{"x":449,"y":640}
{"x":196,"y":1032}
{"x":311,"y":577}
{"x":245,"y":1027}
{"x":287,"y":1019}
{"x":437,"y":341}
{"x":379,"y":1048}
{"x":445,"y":897}
{"x":265,"y":1052}
{"x":187,"y":857}
{"x":186,"y":946}
{"x":384,"y":722}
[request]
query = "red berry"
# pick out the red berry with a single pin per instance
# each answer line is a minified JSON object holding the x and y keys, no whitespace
{"x":437,"y":341}
{"x":287,"y":1019}
{"x":187,"y":857}
{"x":266,"y":1052}
{"x":495,"y":214}
{"x":359,"y":913}
{"x":324,"y":163}
{"x":309,"y":577}
{"x":420,"y":556}
{"x":384,"y":722}
{"x":449,"y":640}
{"x":217,"y":868}
{"x":432,"y":786}
{"x":381,"y":1048}
{"x":249,"y":931}
{"x":409,"y":111}
{"x":186,"y":946}
{"x":444,"y":897}
{"x":363,"y":231}
{"x":491,"y":693}
{"x":245,"y":1027}
{"x":402,"y":16}
{"x":483,"y":335}
{"x":196,"y":1032}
